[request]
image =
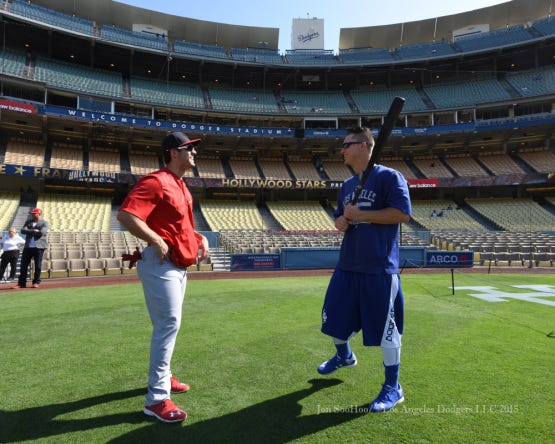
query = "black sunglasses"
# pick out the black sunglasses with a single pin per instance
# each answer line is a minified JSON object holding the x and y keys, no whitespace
{"x":188,"y":147}
{"x":348,"y":144}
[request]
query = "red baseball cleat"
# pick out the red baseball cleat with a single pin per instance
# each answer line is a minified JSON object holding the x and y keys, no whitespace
{"x":165,"y":411}
{"x":17,"y":287}
{"x":178,"y":387}
{"x":35,"y":285}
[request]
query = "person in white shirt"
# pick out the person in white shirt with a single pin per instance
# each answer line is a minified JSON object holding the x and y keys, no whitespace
{"x":11,"y":246}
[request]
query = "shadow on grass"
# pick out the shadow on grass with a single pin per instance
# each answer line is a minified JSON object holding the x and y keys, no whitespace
{"x":40,"y":422}
{"x":276,"y":420}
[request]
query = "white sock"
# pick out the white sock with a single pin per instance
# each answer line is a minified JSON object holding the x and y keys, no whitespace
{"x":391,"y":356}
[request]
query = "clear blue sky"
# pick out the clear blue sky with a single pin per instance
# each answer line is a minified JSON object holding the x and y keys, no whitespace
{"x":336,"y":14}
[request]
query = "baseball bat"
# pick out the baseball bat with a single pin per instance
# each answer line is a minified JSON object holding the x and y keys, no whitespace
{"x":385,"y":131}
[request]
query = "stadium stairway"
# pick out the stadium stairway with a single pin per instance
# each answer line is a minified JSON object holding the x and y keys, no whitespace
{"x":269,"y":221}
{"x":451,"y":170}
{"x":483,"y":165}
{"x":509,"y":88}
{"x":2,"y":151}
{"x":427,"y":101}
{"x":547,"y":205}
{"x":200,"y":222}
{"x":415,"y":169}
{"x":114,"y":222}
{"x":227,"y":169}
{"x":350,"y":101}
{"x":22,"y":214}
{"x":221,"y":259}
{"x":18,"y":220}
{"x":521,"y":163}
{"x":479,"y":218}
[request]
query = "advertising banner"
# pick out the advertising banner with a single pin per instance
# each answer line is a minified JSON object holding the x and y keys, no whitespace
{"x":450,"y":259}
{"x":243,"y":262}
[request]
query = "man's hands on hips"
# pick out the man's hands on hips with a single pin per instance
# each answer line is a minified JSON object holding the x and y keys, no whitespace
{"x":162,"y":249}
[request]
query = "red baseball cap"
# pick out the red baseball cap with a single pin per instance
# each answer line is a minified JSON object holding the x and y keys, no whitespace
{"x":36,"y":211}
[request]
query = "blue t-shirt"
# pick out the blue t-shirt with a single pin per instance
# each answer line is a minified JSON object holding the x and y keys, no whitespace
{"x":373,"y":248}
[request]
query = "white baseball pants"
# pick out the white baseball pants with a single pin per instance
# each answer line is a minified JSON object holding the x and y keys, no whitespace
{"x":164,"y":289}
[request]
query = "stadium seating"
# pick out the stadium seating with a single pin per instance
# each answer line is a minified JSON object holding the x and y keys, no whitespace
{"x":361,"y":56}
{"x":301,"y":215}
{"x":399,"y":165}
{"x":74,"y":77}
{"x":541,"y":159}
{"x":431,"y":167}
{"x":44,"y":269}
{"x":465,"y":166}
{"x":424,"y":50}
{"x":143,"y":162}
{"x":336,"y":170}
{"x":133,"y":38}
{"x":501,"y":245}
{"x":66,"y":156}
{"x":9,"y":201}
{"x":60,"y":211}
{"x":77,"y":267}
{"x":210,"y":166}
{"x":21,"y":151}
{"x":450,"y":219}
{"x":12,"y":62}
{"x":231,"y":215}
{"x":200,"y":49}
{"x":52,"y":17}
{"x":377,"y":99}
{"x":310,"y":57}
{"x":244,"y":168}
{"x":519,"y":214}
{"x":170,"y":93}
{"x":274,"y":169}
{"x":500,"y":164}
{"x":271,"y":241}
{"x":256,"y":55}
{"x":543,"y":259}
{"x":58,"y":268}
{"x":315,"y":102}
{"x":106,"y":160}
{"x":304,"y":170}
{"x":113,"y":266}
{"x":545,"y":26}
{"x":534,"y":82}
{"x":492,"y":39}
{"x":466,"y":93}
{"x":243,"y":100}
{"x":95,"y":267}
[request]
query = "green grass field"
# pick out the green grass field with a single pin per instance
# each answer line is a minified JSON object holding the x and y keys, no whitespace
{"x":73,"y":365}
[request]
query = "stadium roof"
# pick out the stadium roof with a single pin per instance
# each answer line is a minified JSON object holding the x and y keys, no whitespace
{"x":182,"y":28}
{"x":516,"y":12}
{"x":510,"y":13}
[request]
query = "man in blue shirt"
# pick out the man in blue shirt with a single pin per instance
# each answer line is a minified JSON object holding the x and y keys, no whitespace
{"x":364,"y":292}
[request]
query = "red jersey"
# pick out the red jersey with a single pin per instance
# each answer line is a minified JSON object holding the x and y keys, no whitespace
{"x":162,"y":200}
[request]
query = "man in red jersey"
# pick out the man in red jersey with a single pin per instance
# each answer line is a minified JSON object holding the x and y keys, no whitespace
{"x":159,"y":210}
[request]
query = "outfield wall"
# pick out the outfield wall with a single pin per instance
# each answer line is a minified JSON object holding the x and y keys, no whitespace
{"x":313,"y":258}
